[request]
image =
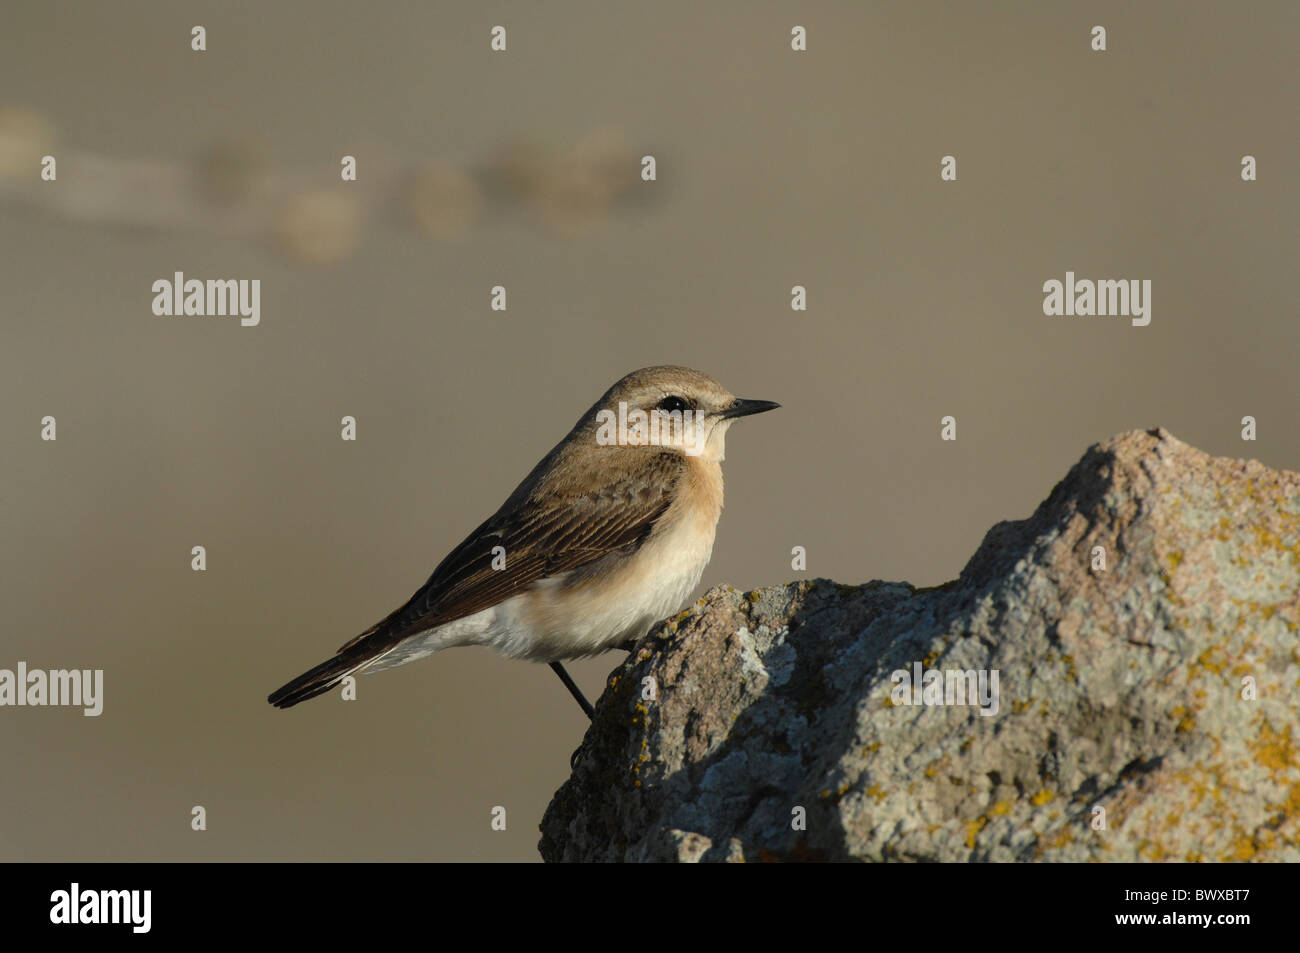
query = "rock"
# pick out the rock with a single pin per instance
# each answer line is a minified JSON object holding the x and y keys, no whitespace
{"x":1143,"y":712}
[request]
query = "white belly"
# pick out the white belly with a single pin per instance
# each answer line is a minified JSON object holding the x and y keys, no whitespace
{"x":557,"y":621}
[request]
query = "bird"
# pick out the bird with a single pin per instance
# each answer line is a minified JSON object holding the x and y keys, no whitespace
{"x":608,"y":534}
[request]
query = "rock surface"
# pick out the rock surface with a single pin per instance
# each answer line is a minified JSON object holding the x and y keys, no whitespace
{"x":1146,"y":711}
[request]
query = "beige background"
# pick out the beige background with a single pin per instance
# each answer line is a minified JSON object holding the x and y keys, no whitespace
{"x":775,"y":169}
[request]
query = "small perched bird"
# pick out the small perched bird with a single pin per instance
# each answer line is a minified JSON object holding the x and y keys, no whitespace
{"x":607,"y":535}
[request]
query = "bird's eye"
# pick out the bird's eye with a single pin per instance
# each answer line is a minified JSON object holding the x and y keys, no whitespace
{"x":670,"y":404}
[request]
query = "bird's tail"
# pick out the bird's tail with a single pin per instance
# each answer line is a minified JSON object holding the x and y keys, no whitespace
{"x":319,"y":680}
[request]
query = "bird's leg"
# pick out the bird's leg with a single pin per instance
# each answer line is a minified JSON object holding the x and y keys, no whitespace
{"x":574,"y":690}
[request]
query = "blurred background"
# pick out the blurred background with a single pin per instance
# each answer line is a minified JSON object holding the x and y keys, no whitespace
{"x":521,"y":169}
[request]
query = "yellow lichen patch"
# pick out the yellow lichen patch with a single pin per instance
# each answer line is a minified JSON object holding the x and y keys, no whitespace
{"x":1274,"y":750}
{"x":826,"y":793}
{"x":1001,"y":808}
{"x":973,"y":829}
{"x":1069,"y":667}
{"x":1063,"y":837}
{"x":1186,"y":720}
{"x":1211,"y":660}
{"x":1152,"y":851}
{"x":1268,"y":539}
{"x":1018,"y":705}
{"x":1042,"y":797}
{"x":1289,"y":808}
{"x":875,"y":791}
{"x":1243,"y":848}
{"x":1199,"y":788}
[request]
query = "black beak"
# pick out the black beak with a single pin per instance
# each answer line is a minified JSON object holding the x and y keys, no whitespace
{"x":743,"y":408}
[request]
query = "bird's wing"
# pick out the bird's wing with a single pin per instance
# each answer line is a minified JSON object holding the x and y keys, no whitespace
{"x":545,"y":534}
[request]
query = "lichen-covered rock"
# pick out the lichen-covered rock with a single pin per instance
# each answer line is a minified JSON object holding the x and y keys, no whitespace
{"x":1144,"y":711}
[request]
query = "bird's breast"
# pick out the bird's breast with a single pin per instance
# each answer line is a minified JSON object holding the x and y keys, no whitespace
{"x":590,"y":612}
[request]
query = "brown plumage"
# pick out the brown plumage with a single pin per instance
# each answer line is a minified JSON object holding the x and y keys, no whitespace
{"x":580,"y":516}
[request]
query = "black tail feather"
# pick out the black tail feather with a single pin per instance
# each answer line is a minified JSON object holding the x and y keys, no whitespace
{"x":316,"y":681}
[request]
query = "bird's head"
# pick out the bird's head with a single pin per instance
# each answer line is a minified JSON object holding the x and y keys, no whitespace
{"x":670,"y":406}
